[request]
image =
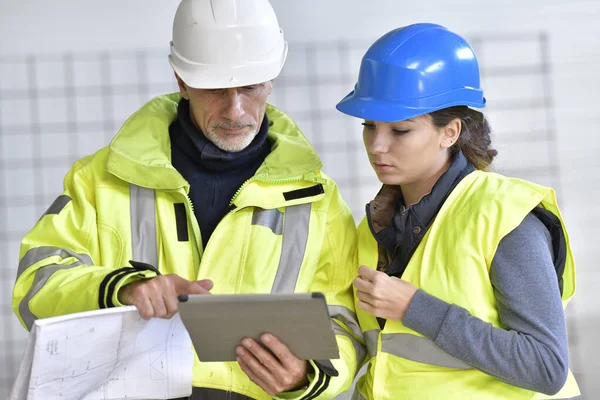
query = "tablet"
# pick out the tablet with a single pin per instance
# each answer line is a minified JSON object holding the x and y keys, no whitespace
{"x":217,"y":323}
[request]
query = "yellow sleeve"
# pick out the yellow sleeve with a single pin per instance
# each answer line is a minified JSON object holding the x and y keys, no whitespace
{"x":60,"y":269}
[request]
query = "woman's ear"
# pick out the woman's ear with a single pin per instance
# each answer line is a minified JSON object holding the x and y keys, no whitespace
{"x":450,"y":133}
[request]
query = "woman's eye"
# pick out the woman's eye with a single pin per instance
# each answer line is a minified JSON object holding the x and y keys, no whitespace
{"x":399,"y":132}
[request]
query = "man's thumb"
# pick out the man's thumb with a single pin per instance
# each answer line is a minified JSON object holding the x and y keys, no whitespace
{"x":200,"y":286}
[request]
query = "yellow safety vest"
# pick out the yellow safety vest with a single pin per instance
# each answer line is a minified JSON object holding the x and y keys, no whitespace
{"x":288,"y":230}
{"x":455,"y":253}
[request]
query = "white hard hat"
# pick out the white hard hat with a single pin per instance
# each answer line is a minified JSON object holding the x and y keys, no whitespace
{"x":226,"y":43}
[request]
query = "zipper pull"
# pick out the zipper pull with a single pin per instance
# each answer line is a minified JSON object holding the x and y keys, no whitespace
{"x":313,"y":177}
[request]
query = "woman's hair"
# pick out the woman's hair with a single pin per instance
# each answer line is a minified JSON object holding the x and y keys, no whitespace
{"x":474,"y":139}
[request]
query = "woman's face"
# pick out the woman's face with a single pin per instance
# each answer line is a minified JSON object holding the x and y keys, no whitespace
{"x":408,"y":151}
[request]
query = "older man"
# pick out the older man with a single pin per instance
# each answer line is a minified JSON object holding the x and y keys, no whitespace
{"x":209,"y":189}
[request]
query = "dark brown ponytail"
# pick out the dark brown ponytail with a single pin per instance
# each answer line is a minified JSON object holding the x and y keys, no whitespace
{"x":474,"y":140}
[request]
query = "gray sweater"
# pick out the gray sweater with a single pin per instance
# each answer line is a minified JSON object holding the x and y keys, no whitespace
{"x":532,"y":352}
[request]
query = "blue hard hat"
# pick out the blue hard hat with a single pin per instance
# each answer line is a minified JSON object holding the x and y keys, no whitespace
{"x":412,"y":71}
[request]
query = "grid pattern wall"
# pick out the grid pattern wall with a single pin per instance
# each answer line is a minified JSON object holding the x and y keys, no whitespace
{"x":55,"y":109}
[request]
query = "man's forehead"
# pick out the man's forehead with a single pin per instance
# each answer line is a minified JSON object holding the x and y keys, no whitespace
{"x":240,"y":87}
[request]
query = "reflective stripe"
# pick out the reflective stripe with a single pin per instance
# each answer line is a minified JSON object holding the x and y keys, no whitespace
{"x":38,"y":254}
{"x":359,"y":349}
{"x":371,"y":337}
{"x":57,"y":206}
{"x":357,"y":395}
{"x":272,"y":219}
{"x":295,"y":236}
{"x":41,"y":277}
{"x":419,"y":349}
{"x":566,"y":398}
{"x":347,"y":317}
{"x":143,"y":225}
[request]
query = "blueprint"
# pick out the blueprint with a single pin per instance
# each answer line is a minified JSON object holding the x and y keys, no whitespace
{"x":105,"y":354}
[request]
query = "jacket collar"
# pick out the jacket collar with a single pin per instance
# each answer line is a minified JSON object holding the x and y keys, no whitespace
{"x":140,"y":153}
{"x":388,"y":202}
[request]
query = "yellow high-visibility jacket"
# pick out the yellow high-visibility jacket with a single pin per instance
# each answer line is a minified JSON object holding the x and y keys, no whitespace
{"x":288,"y":230}
{"x":452,"y":262}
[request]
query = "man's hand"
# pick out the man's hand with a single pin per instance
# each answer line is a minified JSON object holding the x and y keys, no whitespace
{"x":157,"y":297}
{"x":276,"y":371}
{"x":382,"y":295}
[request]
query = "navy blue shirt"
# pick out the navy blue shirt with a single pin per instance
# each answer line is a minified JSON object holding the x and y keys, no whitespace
{"x":214,"y":175}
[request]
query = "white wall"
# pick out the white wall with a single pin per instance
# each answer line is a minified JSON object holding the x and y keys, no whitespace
{"x":44,"y":27}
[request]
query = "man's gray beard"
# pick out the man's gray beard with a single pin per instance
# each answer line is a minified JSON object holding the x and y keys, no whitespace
{"x":235,"y":143}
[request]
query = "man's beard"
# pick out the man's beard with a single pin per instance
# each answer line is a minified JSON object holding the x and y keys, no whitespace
{"x":232,"y":143}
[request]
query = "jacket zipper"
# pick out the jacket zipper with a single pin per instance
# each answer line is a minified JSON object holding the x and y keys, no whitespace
{"x":311,"y":177}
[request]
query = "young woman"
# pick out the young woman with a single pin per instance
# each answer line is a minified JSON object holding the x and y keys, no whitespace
{"x":464,"y":273}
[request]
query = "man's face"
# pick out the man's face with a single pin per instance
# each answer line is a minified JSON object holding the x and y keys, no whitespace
{"x":230,"y":118}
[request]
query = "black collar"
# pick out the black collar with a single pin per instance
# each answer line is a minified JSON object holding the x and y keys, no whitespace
{"x":198,"y":147}
{"x":427,"y":208}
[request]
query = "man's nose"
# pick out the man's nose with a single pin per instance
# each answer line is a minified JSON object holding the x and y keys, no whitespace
{"x":234,"y":106}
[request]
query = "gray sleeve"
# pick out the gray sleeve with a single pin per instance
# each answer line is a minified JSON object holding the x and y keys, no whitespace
{"x":532,"y":352}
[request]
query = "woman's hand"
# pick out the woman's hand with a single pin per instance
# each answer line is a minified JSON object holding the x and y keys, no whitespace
{"x":382,"y":295}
